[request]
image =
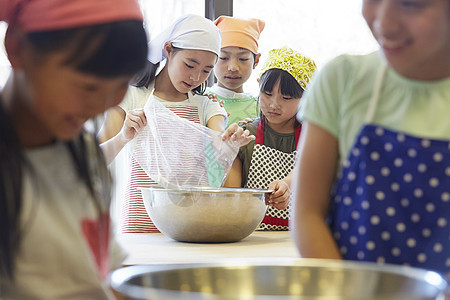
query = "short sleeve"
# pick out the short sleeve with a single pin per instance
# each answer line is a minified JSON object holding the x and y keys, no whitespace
{"x":212,"y":109}
{"x":320,"y":102}
{"x":136,"y":97}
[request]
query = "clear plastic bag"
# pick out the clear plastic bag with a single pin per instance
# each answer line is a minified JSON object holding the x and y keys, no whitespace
{"x":176,"y":152}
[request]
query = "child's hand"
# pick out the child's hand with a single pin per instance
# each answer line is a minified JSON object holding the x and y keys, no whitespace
{"x":236,"y":133}
{"x":215,"y":98}
{"x":135,"y":120}
{"x":280,"y":196}
{"x":246,"y":121}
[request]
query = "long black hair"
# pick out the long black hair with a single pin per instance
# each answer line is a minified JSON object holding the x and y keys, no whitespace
{"x":148,"y":74}
{"x":106,"y":50}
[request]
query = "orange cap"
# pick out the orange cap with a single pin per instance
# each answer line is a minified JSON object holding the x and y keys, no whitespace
{"x":242,"y":33}
{"x":41,"y":15}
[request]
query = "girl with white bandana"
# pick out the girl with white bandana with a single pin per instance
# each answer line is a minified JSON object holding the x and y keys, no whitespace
{"x":267,"y":162}
{"x":71,"y":60}
{"x":377,"y":138}
{"x":188,"y":51}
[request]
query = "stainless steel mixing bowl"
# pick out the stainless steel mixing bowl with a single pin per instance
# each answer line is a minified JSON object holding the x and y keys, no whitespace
{"x":208,"y":215}
{"x":284,"y":279}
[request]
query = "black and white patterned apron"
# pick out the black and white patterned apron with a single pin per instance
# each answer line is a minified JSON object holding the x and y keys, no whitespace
{"x":392,"y":201}
{"x":269,"y":164}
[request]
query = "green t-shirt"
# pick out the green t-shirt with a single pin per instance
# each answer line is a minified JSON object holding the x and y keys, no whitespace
{"x":338,"y":98}
{"x":239,"y":105}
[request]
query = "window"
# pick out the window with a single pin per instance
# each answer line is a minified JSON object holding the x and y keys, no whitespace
{"x":320,"y":29}
{"x":158,"y":14}
{"x":5,"y":67}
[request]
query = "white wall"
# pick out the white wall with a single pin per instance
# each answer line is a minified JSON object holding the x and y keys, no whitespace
{"x":320,"y":29}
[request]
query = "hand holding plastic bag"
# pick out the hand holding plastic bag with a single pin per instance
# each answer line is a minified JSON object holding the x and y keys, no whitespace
{"x":175,"y":151}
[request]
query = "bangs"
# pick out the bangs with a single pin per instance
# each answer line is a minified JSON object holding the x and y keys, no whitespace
{"x":106,"y":50}
{"x":288,"y":85}
{"x":122,"y":51}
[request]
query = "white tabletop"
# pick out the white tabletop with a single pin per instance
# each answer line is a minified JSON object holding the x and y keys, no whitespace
{"x":155,"y":248}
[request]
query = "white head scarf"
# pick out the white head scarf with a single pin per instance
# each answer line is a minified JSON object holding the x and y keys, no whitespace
{"x":188,"y":32}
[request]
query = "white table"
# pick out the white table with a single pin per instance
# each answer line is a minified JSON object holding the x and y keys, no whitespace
{"x":155,"y":248}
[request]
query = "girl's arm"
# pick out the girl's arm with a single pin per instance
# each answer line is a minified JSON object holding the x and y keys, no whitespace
{"x":234,"y":178}
{"x":114,"y":118}
{"x":234,"y":133}
{"x":313,"y":177}
{"x":216,"y":123}
{"x":118,"y":129}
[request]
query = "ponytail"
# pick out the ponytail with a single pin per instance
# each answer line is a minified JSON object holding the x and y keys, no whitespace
{"x":146,"y":76}
{"x":12,"y":162}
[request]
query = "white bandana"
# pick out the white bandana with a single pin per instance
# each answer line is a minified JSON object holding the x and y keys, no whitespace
{"x":188,"y":32}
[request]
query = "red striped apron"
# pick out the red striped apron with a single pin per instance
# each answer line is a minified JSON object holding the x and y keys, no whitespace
{"x":134,"y":217}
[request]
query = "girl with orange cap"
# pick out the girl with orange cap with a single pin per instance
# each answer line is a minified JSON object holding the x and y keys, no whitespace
{"x":238,"y":58}
{"x":268,"y":161}
{"x":71,"y":60}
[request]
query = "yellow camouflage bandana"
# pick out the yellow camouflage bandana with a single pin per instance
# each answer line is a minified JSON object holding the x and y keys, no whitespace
{"x":291,"y":61}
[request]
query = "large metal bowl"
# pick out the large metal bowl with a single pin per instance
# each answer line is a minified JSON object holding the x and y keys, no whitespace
{"x":207,"y":215}
{"x":286,"y":279}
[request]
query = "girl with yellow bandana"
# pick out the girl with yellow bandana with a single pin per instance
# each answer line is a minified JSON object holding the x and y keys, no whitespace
{"x":266,"y":162}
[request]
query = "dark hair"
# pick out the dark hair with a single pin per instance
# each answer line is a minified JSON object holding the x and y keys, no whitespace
{"x":288,"y":85}
{"x":148,"y":74}
{"x":106,"y":50}
{"x":254,"y":59}
{"x":11,"y":164}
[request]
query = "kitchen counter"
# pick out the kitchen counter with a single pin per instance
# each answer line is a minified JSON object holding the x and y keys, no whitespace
{"x":155,"y":248}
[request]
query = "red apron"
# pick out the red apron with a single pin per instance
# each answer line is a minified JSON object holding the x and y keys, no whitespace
{"x":134,"y":217}
{"x":269,"y":164}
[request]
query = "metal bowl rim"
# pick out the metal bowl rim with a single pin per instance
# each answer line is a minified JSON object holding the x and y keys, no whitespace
{"x":215,"y":190}
{"x":119,"y":276}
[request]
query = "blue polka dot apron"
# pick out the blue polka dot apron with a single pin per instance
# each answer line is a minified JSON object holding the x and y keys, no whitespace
{"x":269,"y":164}
{"x":391,"y":203}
